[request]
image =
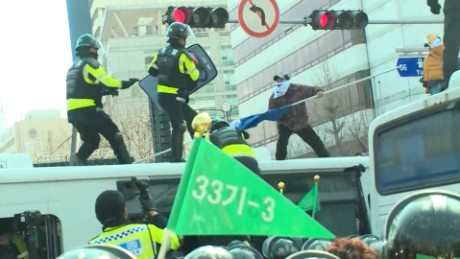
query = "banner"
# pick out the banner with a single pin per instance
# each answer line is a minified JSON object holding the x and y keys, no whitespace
{"x":310,"y":202}
{"x":253,"y":120}
{"x":219,"y":196}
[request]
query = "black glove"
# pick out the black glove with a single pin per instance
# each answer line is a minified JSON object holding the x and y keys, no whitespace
{"x":153,"y":71}
{"x":128,"y":83}
{"x":435,"y":7}
{"x":112,"y":92}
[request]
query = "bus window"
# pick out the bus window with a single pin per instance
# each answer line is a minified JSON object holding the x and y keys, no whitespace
{"x":421,"y":151}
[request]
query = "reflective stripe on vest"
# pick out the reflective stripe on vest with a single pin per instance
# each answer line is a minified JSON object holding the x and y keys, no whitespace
{"x":239,"y":150}
{"x":167,"y":89}
{"x":73,"y":104}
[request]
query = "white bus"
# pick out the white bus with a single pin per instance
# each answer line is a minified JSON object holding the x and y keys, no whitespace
{"x":412,"y":148}
{"x":54,"y":206}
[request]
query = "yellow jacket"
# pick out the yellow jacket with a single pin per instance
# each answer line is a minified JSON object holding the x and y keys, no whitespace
{"x":143,"y":240}
{"x":432,"y":65}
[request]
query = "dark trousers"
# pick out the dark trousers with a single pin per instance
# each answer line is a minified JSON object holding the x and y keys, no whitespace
{"x":451,"y":43}
{"x":307,"y":134}
{"x":177,"y":111}
{"x":90,"y":122}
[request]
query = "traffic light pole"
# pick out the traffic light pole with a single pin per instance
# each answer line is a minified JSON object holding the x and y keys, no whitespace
{"x":307,"y":21}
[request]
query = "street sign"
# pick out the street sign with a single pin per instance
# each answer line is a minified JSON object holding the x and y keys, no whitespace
{"x":410,"y":66}
{"x":258,"y":18}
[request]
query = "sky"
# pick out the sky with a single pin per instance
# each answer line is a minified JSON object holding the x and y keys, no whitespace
{"x":35,"y":55}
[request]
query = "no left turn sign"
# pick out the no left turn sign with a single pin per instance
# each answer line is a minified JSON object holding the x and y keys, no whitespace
{"x":258,"y":18}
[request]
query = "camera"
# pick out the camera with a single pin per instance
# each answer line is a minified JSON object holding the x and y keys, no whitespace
{"x":142,"y":185}
{"x":28,"y":219}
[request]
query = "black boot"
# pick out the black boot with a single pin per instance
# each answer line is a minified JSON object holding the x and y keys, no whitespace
{"x":77,"y":160}
{"x":120,"y":150}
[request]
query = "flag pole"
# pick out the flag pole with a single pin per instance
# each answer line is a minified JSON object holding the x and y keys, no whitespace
{"x":315,"y":180}
{"x":202,"y":125}
{"x":165,"y":243}
{"x":281,"y":187}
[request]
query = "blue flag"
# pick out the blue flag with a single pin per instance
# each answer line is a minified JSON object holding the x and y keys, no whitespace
{"x":270,"y":115}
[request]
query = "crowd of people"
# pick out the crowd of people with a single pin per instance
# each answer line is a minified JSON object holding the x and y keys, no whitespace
{"x":405,"y":237}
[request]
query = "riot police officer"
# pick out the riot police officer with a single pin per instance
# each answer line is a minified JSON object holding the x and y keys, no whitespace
{"x":242,"y":250}
{"x":176,"y":74}
{"x":98,"y":252}
{"x":232,"y":142}
{"x":426,"y":223}
{"x":275,"y":247}
{"x":87,"y":82}
{"x":209,"y":252}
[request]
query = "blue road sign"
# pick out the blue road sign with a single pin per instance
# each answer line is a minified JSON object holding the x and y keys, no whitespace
{"x":410,"y":66}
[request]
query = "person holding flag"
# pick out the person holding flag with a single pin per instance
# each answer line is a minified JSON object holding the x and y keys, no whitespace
{"x":295,"y":120}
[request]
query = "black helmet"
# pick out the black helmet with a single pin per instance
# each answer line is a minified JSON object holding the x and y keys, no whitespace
{"x":316,"y":244}
{"x":98,"y":252}
{"x":209,"y":252}
{"x":217,"y":123}
{"x":279,"y":247}
{"x":425,"y":223}
{"x":244,"y":251}
{"x":109,"y":206}
{"x":317,"y":254}
{"x":87,"y":40}
{"x":178,"y":30}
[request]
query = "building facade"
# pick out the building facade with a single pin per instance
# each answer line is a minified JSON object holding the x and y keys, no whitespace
{"x":43,"y":134}
{"x":333,"y":60}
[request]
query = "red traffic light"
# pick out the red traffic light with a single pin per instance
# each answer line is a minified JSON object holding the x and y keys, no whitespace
{"x":342,"y":19}
{"x":197,"y":17}
{"x":323,"y":20}
{"x":177,"y":14}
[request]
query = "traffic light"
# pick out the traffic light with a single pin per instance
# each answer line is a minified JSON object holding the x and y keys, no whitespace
{"x":197,"y":17}
{"x":338,"y":19}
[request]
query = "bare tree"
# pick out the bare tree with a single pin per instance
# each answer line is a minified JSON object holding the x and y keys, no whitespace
{"x":358,"y":130}
{"x":342,"y":110}
{"x":138,"y":135}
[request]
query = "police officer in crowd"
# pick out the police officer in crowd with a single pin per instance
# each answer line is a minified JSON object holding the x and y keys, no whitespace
{"x":232,"y":142}
{"x":8,"y":250}
{"x":143,"y":240}
{"x":98,"y":252}
{"x":209,"y":252}
{"x":451,"y":35}
{"x":424,"y":225}
{"x":176,"y":73}
{"x":87,"y":82}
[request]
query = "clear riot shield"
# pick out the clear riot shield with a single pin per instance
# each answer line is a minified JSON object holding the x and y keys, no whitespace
{"x":207,"y":68}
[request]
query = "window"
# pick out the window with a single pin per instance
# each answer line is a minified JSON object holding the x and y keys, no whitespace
{"x":419,"y":152}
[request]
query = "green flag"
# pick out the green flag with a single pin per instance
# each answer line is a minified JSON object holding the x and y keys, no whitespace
{"x":219,"y":196}
{"x":310,"y":202}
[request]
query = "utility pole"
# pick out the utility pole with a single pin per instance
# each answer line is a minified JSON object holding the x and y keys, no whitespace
{"x":79,"y":23}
